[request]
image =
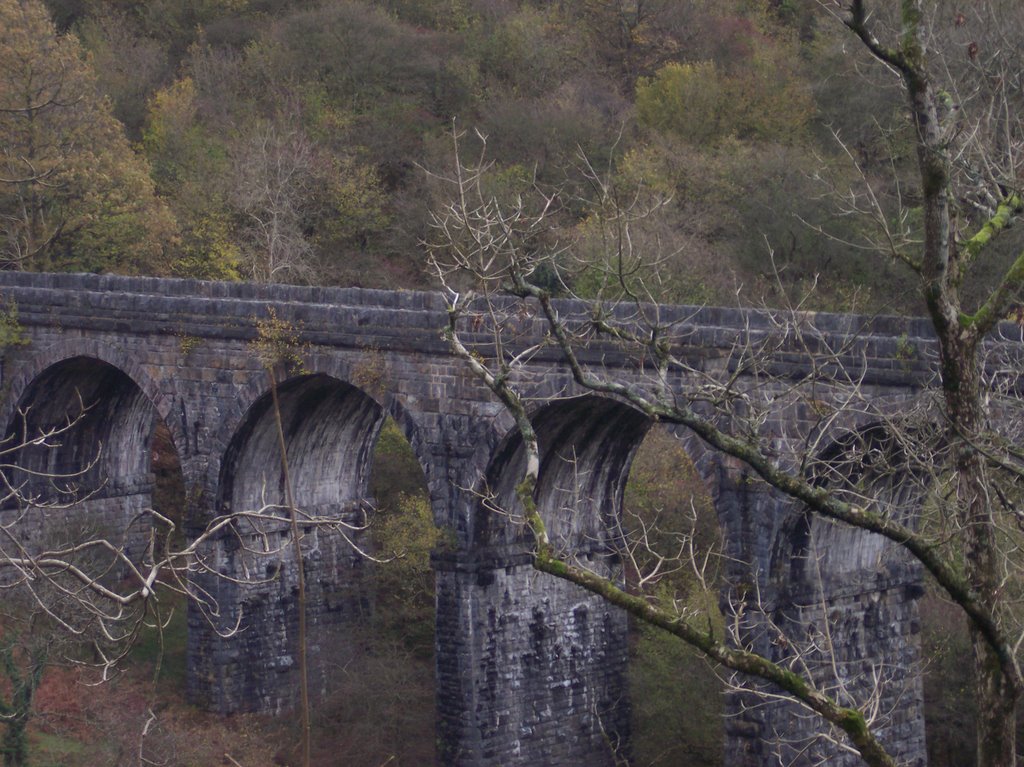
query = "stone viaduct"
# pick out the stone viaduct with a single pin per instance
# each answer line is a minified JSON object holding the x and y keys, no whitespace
{"x":529,"y":669}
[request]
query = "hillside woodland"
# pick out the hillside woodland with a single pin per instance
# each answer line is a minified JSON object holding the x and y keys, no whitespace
{"x":293,"y":142}
{"x":302,"y":141}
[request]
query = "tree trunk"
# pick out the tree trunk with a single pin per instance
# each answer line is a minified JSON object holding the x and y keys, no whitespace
{"x":15,"y":742}
{"x":995,"y":689}
{"x":997,"y":708}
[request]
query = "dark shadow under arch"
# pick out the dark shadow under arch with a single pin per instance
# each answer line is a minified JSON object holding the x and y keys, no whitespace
{"x":330,"y":428}
{"x":586,"y":444}
{"x":160,"y":392}
{"x":873,"y":467}
{"x":94,"y":476}
{"x":106,"y":424}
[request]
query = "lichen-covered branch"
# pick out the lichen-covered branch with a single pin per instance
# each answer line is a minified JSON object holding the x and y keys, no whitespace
{"x":850,"y":720}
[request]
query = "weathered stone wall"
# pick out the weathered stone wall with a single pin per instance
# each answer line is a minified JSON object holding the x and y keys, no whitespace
{"x":542,"y":665}
{"x":255,"y":668}
{"x":528,"y":669}
{"x":115,"y":518}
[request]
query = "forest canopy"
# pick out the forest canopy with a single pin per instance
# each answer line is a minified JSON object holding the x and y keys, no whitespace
{"x":255,"y":139}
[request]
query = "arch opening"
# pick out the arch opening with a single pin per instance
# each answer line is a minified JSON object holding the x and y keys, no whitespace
{"x":101,"y":425}
{"x":847,"y":598}
{"x":80,"y":448}
{"x":669,"y":512}
{"x":384,"y":694}
{"x":329,"y":428}
{"x":608,"y":485}
{"x":361,"y":493}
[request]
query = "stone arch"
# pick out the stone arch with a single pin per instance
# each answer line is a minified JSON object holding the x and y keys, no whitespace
{"x":253,"y":400}
{"x":873,"y":466}
{"x":99,"y":466}
{"x":846,"y":598}
{"x":29,"y":370}
{"x":587,"y":445}
{"x":329,"y":428}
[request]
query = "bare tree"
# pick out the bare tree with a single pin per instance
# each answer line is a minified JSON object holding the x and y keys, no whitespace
{"x":109,"y":591}
{"x":957,"y":450}
{"x":274,"y":176}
